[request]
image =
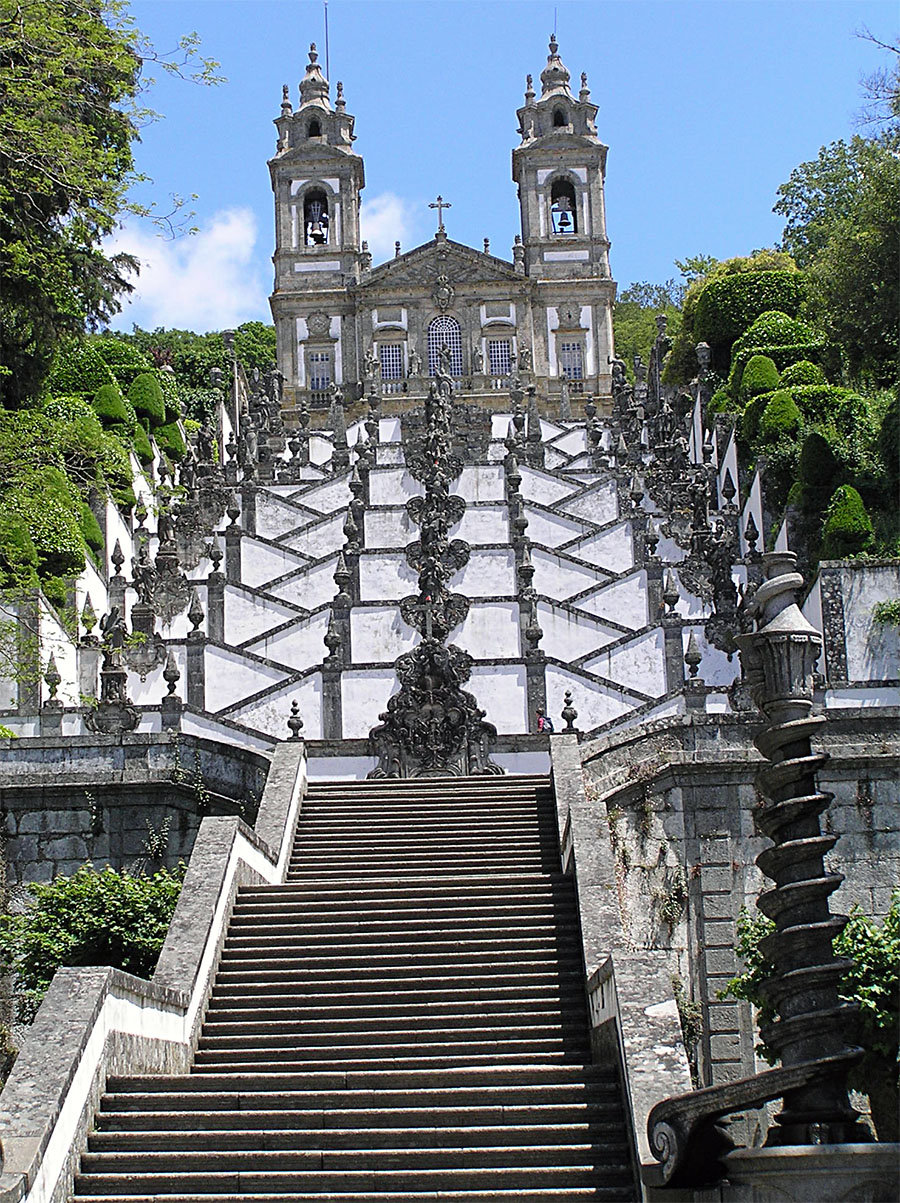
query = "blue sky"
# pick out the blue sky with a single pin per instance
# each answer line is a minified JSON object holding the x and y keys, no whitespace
{"x":706,"y":106}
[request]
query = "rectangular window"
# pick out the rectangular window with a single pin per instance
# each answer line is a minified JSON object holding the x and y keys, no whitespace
{"x":499,"y":356}
{"x":319,"y":370}
{"x":391,"y":357}
{"x":571,"y":357}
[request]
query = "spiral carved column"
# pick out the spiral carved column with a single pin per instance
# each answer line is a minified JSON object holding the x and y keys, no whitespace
{"x":811,"y":1023}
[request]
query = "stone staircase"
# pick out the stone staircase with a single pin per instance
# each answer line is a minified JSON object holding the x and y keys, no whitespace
{"x":404,"y":1018}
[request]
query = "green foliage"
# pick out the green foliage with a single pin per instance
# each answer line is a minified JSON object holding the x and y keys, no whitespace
{"x":91,"y":918}
{"x":146,"y":396}
{"x":819,"y":466}
{"x":49,"y":505}
{"x":109,"y":406}
{"x":889,"y":442}
{"x":759,"y":376}
{"x":780,"y":419}
{"x":78,"y":370}
{"x":123,"y":359}
{"x":802,"y":372}
{"x":634,"y":319}
{"x":727,"y":306}
{"x":721,"y":402}
{"x":848,"y":528}
{"x":887,"y":612}
{"x":18,"y":554}
{"x":170,"y":440}
{"x":142,"y":448}
{"x":90,"y":528}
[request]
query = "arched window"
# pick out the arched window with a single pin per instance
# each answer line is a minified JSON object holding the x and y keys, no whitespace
{"x":315,"y":217}
{"x":562,"y":208}
{"x":315,"y":130}
{"x":559,"y":118}
{"x":444,"y":332}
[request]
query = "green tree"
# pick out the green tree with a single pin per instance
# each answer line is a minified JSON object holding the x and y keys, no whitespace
{"x":634,"y":318}
{"x":70,"y":73}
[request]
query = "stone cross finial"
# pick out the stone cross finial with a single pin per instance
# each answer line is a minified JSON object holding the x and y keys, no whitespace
{"x":440,"y":204}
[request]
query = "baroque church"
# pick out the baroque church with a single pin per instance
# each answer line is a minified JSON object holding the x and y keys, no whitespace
{"x":546,"y":315}
{"x":456,"y":668}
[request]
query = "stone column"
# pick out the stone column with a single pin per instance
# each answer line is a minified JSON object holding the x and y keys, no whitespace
{"x":215,"y":606}
{"x":248,"y":508}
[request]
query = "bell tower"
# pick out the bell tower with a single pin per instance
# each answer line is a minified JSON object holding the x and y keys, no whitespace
{"x":560,"y":170}
{"x":317,"y":178}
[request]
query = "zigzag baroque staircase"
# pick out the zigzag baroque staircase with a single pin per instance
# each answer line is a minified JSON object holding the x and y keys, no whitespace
{"x":404,"y":1018}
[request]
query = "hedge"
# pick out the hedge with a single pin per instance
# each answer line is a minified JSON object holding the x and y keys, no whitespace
{"x":77,"y":368}
{"x":760,"y":376}
{"x":168,"y":383}
{"x":781,"y":418}
{"x":729,"y":304}
{"x":802,"y":372}
{"x":848,"y":528}
{"x":146,"y":396}
{"x":18,"y":554}
{"x":110,"y":406}
{"x":841,"y":407}
{"x":170,"y":440}
{"x":142,"y":448}
{"x":124,"y":360}
{"x":90,"y":527}
{"x":819,"y":467}
{"x":50,"y":506}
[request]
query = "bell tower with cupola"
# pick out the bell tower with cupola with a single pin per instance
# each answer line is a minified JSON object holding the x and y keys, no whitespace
{"x":317,"y":178}
{"x":560,"y":170}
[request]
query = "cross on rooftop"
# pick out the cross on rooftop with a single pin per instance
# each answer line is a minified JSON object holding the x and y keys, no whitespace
{"x":440,"y":204}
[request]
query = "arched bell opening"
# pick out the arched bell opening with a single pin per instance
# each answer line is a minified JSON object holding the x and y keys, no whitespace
{"x":563,"y":212}
{"x":315,"y":218}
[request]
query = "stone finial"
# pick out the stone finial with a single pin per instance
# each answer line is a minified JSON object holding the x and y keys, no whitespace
{"x":117,"y":557}
{"x":286,"y":107}
{"x":234,"y":510}
{"x":728,"y":489}
{"x":88,"y":620}
{"x":295,"y":722}
{"x":53,"y":680}
{"x":652,"y":537}
{"x":215,"y":554}
{"x":195,"y":614}
{"x":670,"y":592}
{"x":397,"y":249}
{"x":568,"y":714}
{"x":692,"y":656}
{"x":751,"y":534}
{"x":171,"y":673}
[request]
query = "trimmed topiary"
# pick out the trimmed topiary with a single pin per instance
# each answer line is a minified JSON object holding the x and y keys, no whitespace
{"x":780,"y":419}
{"x":721,"y":402}
{"x":78,"y":369}
{"x":124,"y":359}
{"x":848,"y":528}
{"x":142,"y":448}
{"x":109,"y":405}
{"x":90,"y":527}
{"x":146,"y":397}
{"x":802,"y":372}
{"x":760,"y":376}
{"x":819,"y":466}
{"x":729,"y":304}
{"x":170,"y":440}
{"x":753,"y":411}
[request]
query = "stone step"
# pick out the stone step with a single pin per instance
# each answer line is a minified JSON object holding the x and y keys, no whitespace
{"x":599,"y":1115}
{"x":433,"y":992}
{"x":310,"y":915}
{"x":353,"y":1136}
{"x":449,"y":1043}
{"x":464,"y":886}
{"x":429,"y":1017}
{"x":422,"y":930}
{"x":327,"y":1182}
{"x":219,"y":1017}
{"x":301,"y":1063}
{"x":565,"y":1194}
{"x":335,"y":972}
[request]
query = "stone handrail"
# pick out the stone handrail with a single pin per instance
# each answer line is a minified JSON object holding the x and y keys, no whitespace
{"x":97,"y":1022}
{"x":634,"y":1016}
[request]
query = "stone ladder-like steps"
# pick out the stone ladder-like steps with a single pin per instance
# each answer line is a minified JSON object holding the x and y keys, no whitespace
{"x":403,"y":1019}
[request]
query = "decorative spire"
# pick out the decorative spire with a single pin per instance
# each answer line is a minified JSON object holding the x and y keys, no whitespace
{"x":314,"y":85}
{"x":555,"y":76}
{"x":286,"y":107}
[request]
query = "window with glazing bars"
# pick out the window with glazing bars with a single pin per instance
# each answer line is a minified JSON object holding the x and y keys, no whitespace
{"x":444,"y":331}
{"x":391,"y":357}
{"x":319,"y":370}
{"x":499,"y":356}
{"x":572,"y":359}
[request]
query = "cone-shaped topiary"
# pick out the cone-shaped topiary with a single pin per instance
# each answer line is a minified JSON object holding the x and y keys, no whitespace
{"x":109,"y":405}
{"x":760,"y":376}
{"x":848,"y":528}
{"x":90,"y":527}
{"x":142,"y":448}
{"x":146,"y":396}
{"x":802,"y":372}
{"x":170,"y":440}
{"x":781,"y":418}
{"x":818,"y":466}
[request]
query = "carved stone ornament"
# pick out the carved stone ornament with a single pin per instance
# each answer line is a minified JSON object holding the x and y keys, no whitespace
{"x":171,"y":592}
{"x":318,"y":324}
{"x":433,"y":727}
{"x":444,"y":293}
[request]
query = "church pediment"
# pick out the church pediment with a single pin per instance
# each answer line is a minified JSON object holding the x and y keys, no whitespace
{"x":460,"y":265}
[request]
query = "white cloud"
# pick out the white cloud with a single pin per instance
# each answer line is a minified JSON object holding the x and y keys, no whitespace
{"x":384,"y":220}
{"x":204,"y":281}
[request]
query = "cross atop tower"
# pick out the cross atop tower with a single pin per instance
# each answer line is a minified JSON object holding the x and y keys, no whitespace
{"x":440,"y":204}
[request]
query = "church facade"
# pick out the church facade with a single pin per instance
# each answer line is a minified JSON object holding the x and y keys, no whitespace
{"x":544,"y":317}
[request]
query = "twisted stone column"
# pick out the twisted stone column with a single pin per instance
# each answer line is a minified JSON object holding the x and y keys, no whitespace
{"x":812,"y":1023}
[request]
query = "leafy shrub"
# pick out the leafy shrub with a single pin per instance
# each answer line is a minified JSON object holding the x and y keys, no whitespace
{"x":760,"y":376}
{"x":91,"y":918}
{"x":728,"y":305}
{"x":819,"y":466}
{"x":871,"y":979}
{"x":848,"y":528}
{"x":889,"y":442}
{"x":142,"y":447}
{"x":721,"y":402}
{"x":784,"y":339}
{"x":750,"y":418}
{"x":170,"y":440}
{"x":887,"y":612}
{"x":109,"y":406}
{"x":90,"y":527}
{"x":781,"y":418}
{"x":146,"y":396}
{"x":18,"y":555}
{"x":802,"y":372}
{"x":124,"y":359}
{"x":77,"y":368}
